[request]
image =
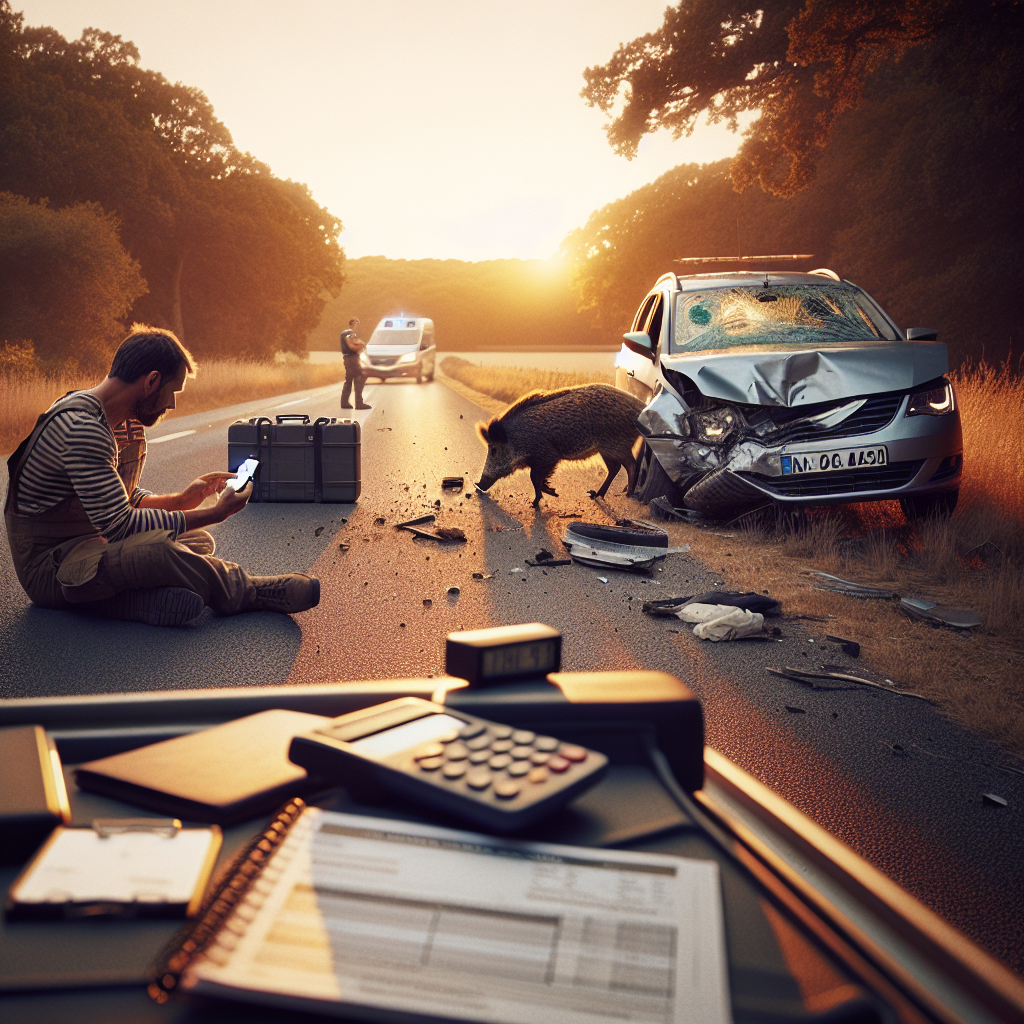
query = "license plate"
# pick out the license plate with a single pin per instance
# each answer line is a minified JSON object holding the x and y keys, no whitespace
{"x":830,"y":462}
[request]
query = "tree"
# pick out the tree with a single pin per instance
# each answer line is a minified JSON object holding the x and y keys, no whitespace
{"x":68,"y":283}
{"x":800,"y":64}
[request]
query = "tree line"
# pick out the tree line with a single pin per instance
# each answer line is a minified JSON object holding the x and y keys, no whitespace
{"x":888,"y":145}
{"x":123,"y":197}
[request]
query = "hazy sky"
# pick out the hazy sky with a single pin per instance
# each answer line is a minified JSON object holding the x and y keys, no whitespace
{"x":447,"y":129}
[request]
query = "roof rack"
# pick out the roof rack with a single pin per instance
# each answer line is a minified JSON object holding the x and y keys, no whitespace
{"x":743,"y":259}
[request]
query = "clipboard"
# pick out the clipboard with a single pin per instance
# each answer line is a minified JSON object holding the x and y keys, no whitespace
{"x":120,"y":868}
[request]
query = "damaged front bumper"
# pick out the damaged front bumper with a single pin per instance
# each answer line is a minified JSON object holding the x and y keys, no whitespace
{"x":724,"y":456}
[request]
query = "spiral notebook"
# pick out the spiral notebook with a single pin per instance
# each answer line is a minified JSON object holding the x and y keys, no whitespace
{"x":345,"y":915}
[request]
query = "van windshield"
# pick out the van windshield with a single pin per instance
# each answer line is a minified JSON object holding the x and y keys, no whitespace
{"x":395,"y":337}
{"x":776,"y":315}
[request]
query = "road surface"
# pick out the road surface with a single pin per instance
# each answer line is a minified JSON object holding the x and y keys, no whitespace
{"x":884,"y":773}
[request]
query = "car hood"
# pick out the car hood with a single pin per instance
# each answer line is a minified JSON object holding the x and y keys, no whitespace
{"x":390,"y":350}
{"x":787,"y":378}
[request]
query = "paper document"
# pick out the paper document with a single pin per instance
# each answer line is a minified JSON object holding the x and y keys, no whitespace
{"x":354,"y":911}
{"x":81,"y":866}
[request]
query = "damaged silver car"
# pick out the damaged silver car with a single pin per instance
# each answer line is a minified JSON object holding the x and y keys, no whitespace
{"x":789,"y":389}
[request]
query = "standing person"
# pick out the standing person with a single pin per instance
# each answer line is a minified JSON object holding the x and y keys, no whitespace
{"x":84,"y":535}
{"x":351,"y":346}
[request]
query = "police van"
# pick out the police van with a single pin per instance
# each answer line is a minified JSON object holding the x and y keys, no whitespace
{"x":401,"y":347}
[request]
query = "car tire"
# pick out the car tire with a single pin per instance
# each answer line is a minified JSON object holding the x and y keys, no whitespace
{"x":617,"y":535}
{"x":652,"y":481}
{"x":929,"y":506}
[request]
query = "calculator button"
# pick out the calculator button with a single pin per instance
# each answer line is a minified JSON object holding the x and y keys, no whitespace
{"x":537,"y":775}
{"x":428,"y":750}
{"x":506,"y":789}
{"x":478,"y":778}
{"x":521,"y":753}
{"x":502,"y":746}
{"x":480,"y":757}
{"x":539,"y":757}
{"x":572,"y":753}
{"x":479,"y":742}
{"x":454,"y":770}
{"x":448,"y":737}
{"x":524,"y":736}
{"x":500,"y":761}
{"x":519,"y":767}
{"x":558,"y":764}
{"x":501,"y":732}
{"x":431,"y":764}
{"x":456,"y":752}
{"x":548,"y":743}
{"x":467,"y":732}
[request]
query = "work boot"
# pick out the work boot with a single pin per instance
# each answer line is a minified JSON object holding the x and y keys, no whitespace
{"x":161,"y":606}
{"x":363,"y":405}
{"x":293,"y":592}
{"x":346,"y":405}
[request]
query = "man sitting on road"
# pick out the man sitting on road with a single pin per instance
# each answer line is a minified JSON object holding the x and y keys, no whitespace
{"x":84,"y":535}
{"x":351,"y":346}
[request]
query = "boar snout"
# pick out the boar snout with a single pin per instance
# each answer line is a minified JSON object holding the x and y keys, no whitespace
{"x":485,"y":483}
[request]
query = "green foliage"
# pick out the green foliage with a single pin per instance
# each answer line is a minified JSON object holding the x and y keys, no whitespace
{"x":917,"y":199}
{"x":68,"y":284}
{"x":495,"y":304}
{"x":237,"y":261}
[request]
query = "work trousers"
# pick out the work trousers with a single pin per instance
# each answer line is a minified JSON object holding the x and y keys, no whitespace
{"x":353,"y":375}
{"x":78,"y":571}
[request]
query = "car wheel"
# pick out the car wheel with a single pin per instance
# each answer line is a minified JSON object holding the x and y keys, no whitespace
{"x":929,"y":506}
{"x":419,"y":378}
{"x":652,"y":481}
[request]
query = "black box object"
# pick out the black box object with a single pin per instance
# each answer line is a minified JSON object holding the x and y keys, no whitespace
{"x":33,"y":799}
{"x":299,"y":460}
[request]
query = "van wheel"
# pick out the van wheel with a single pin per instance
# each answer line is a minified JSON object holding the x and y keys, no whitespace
{"x":652,"y":481}
{"x":931,"y":506}
{"x":419,"y":378}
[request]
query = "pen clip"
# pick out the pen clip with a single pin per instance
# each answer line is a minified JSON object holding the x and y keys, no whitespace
{"x":106,"y":827}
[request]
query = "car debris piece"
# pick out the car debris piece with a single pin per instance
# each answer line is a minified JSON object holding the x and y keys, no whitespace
{"x":516,"y":569}
{"x":837,"y":585}
{"x":547,"y":563}
{"x":419,"y":521}
{"x":379,"y":521}
{"x":427,"y":603}
{"x":318,"y":531}
{"x":343,"y":546}
{"x":483,"y":575}
{"x":451,"y":533}
{"x":849,"y":647}
{"x":544,"y":555}
{"x":603,"y":579}
{"x":940,"y":615}
{"x":453,"y":591}
{"x":635,"y":547}
{"x":455,"y":482}
{"x":795,"y":710}
{"x":994,"y":800}
{"x":803,"y":676}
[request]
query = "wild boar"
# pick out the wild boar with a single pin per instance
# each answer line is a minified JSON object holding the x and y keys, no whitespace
{"x":545,"y":427}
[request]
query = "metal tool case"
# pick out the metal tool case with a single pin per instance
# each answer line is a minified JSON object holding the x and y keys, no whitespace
{"x":299,"y":460}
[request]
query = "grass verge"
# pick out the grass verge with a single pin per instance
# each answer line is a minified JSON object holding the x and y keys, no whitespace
{"x":218,"y":383}
{"x":974,"y":559}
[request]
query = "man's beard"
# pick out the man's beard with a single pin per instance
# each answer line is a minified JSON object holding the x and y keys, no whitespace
{"x":148,"y":413}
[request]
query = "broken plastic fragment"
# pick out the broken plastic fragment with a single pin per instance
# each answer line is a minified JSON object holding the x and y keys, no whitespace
{"x":516,"y":569}
{"x":994,"y":800}
{"x":379,"y":521}
{"x":451,"y":533}
{"x":452,"y":481}
{"x":603,"y":579}
{"x":318,"y":531}
{"x":940,"y":615}
{"x":849,"y":647}
{"x":419,"y":521}
{"x":840,"y":586}
{"x":483,"y":575}
{"x":795,"y":710}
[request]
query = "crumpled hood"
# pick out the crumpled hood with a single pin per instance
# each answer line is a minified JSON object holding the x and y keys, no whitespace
{"x":789,"y":379}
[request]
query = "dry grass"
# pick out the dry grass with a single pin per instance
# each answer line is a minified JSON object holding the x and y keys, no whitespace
{"x":975,"y":559}
{"x":23,"y":396}
{"x":507,"y":383}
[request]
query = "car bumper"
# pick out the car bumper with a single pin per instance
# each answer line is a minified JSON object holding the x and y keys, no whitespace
{"x":407,"y":370}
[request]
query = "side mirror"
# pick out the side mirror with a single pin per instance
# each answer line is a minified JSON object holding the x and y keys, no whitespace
{"x":640,"y":342}
{"x":922,"y":334}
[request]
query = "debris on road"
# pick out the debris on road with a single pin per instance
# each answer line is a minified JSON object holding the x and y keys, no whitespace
{"x":795,"y":709}
{"x":760,"y":603}
{"x":483,"y":575}
{"x":427,"y":603}
{"x":453,"y":592}
{"x":451,"y":533}
{"x":994,"y":800}
{"x":454,"y":482}
{"x":810,"y":679}
{"x":849,"y":647}
{"x":548,"y":563}
{"x":938,"y":614}
{"x":837,"y":585}
{"x":419,"y":521}
{"x":343,"y":546}
{"x":516,"y":569}
{"x":603,"y":579}
{"x":318,"y":531}
{"x":634,"y":548}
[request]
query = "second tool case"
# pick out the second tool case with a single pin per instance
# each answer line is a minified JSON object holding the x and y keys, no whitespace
{"x":299,"y":460}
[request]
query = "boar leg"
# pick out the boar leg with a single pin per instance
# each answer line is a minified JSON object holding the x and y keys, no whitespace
{"x":539,"y":478}
{"x":614,"y":466}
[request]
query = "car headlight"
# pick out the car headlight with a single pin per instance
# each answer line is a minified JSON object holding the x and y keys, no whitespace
{"x":409,"y":357}
{"x":714,"y":426}
{"x":939,"y":402}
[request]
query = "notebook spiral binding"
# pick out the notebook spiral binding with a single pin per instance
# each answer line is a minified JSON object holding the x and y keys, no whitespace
{"x":246,"y":868}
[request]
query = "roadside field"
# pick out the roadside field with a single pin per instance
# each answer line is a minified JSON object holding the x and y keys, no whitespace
{"x":218,"y":383}
{"x":975,"y":559}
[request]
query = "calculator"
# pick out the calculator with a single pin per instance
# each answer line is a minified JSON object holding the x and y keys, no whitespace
{"x":490,"y":775}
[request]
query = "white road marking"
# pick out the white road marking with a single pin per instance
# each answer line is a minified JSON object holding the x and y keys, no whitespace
{"x":298,"y":401}
{"x":169,"y":437}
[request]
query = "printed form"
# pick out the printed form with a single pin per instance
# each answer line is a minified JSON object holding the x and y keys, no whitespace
{"x":355,"y":911}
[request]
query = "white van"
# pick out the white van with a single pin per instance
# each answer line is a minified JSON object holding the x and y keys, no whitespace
{"x":401,"y":346}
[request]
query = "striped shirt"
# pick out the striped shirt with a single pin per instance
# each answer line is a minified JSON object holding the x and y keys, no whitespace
{"x":76,"y":454}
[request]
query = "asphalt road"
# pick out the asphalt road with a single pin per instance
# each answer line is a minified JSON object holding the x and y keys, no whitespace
{"x":886,"y":774}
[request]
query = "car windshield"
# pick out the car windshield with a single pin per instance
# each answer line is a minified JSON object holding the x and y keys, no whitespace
{"x":777,"y":315}
{"x":395,"y":337}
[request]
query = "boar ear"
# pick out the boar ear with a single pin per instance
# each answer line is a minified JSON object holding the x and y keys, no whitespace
{"x":481,"y":429}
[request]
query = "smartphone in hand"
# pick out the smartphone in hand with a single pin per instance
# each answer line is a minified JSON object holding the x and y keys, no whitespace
{"x":244,"y":475}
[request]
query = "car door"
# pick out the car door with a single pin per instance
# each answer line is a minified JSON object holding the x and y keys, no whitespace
{"x":636,"y":371}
